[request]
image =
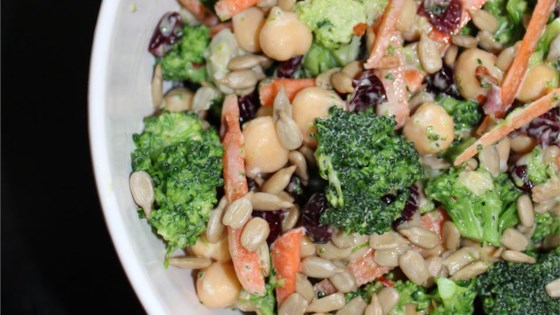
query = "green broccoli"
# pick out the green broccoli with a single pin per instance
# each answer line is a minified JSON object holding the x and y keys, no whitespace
{"x":454,"y":297}
{"x":410,"y":293}
{"x":262,"y":304}
{"x":374,"y":9}
{"x":186,"y":60}
{"x":366,"y":291}
{"x":369,"y":169}
{"x":509,"y":14}
{"x":481,"y":207}
{"x":185,"y":163}
{"x":546,"y":224}
{"x":446,"y":297}
{"x":319,"y":59}
{"x":465,"y":113}
{"x":512,"y":288}
{"x":332,"y":21}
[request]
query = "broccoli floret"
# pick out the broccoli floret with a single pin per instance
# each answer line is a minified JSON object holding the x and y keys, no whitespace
{"x":186,"y":60}
{"x":185,"y":163}
{"x":454,"y":297}
{"x":546,"y":224}
{"x":410,"y":293}
{"x":466,"y":115}
{"x":332,"y":21}
{"x":262,"y":304}
{"x":514,"y":288}
{"x":374,"y":9}
{"x":319,"y":59}
{"x":538,"y":171}
{"x":366,"y":291}
{"x":509,"y":14}
{"x":369,"y":169}
{"x":481,"y":207}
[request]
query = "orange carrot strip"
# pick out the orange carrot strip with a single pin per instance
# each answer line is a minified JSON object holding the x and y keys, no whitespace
{"x":285,"y":253}
{"x":268,"y":90}
{"x":515,"y":120}
{"x":228,"y":8}
{"x":201,"y":12}
{"x":384,"y":32}
{"x":247,"y":264}
{"x":433,"y":221}
{"x":413,"y":79}
{"x":359,"y":29}
{"x":215,"y":29}
{"x":516,"y":73}
{"x":365,"y":269}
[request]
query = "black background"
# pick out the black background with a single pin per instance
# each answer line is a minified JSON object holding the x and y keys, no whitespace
{"x":57,"y":256}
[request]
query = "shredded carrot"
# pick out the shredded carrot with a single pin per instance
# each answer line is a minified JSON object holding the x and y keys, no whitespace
{"x":247,"y":264}
{"x":515,"y":120}
{"x":514,"y":76}
{"x":226,"y":9}
{"x":365,"y":269}
{"x":359,"y":29}
{"x":384,"y":32}
{"x":215,"y":29}
{"x":433,"y":221}
{"x":285,"y":252}
{"x":268,"y":90}
{"x":413,"y":79}
{"x":325,"y":286}
{"x":201,"y":12}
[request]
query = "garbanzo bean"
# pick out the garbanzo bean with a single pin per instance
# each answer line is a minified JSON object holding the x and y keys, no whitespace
{"x":284,"y":36}
{"x":218,"y":251}
{"x":465,"y":72}
{"x":430,"y":129}
{"x":247,"y":25}
{"x":217,"y":286}
{"x":178,"y":100}
{"x":263,"y":151}
{"x":538,"y":79}
{"x":310,"y":103}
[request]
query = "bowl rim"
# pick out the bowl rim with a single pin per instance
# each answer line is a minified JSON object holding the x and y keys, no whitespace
{"x":97,"y":96}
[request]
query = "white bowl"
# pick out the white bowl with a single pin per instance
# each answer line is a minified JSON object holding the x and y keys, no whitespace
{"x":119,"y":97}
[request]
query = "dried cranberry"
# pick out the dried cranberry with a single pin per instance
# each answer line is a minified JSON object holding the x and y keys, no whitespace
{"x":274,"y":219}
{"x":520,"y":177}
{"x":295,"y":189}
{"x":288,"y":68}
{"x":315,"y":206}
{"x":252,"y":184}
{"x":410,"y":208}
{"x":557,"y":10}
{"x":444,"y":15}
{"x":443,"y":82}
{"x":168,"y":32}
{"x":368,"y":91}
{"x":248,"y":106}
{"x":546,"y":128}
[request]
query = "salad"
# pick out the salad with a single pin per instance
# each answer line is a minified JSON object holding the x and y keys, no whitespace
{"x":357,"y":156}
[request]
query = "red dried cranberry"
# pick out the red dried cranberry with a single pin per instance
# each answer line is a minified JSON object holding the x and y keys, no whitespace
{"x":442,"y":82}
{"x":368,"y":91}
{"x":168,"y":32}
{"x":410,"y":208}
{"x":444,"y":15}
{"x":520,"y":177}
{"x":315,"y":206}
{"x":248,"y":106}
{"x":274,"y":219}
{"x":288,"y":68}
{"x":546,"y":128}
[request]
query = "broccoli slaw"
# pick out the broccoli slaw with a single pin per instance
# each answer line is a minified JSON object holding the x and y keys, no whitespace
{"x":357,"y":156}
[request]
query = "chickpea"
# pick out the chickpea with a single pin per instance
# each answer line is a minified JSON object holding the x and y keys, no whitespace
{"x":218,"y":251}
{"x":538,"y":79}
{"x":263,"y":151}
{"x":247,"y":25}
{"x":465,"y":72}
{"x":310,"y":103}
{"x":430,"y":129}
{"x":284,"y":36}
{"x":178,"y":100}
{"x":217,"y":286}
